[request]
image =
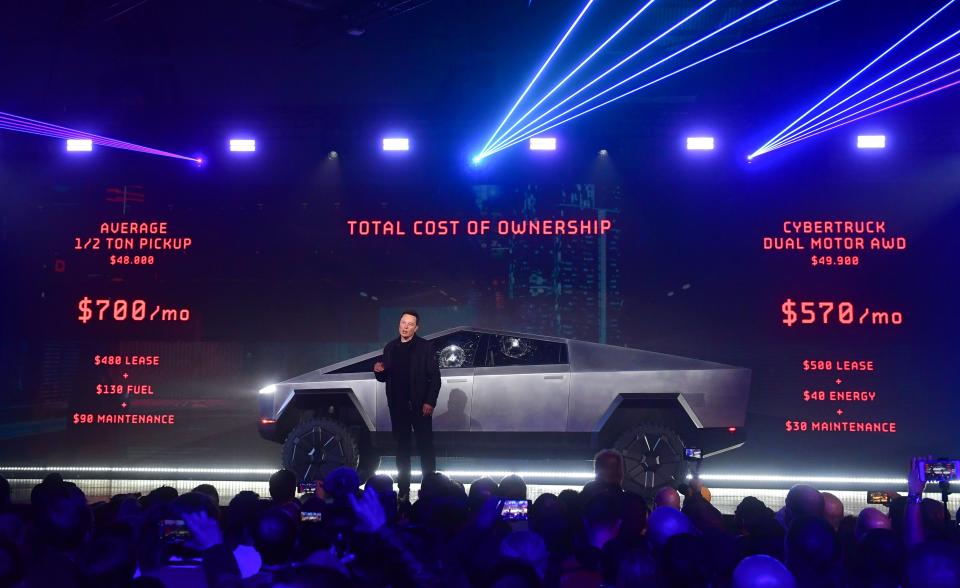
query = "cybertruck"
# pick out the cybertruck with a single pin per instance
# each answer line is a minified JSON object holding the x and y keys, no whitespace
{"x":519,"y":395}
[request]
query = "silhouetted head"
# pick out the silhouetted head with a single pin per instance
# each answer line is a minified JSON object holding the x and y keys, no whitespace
{"x":666,"y":496}
{"x":512,"y":487}
{"x":283,"y":486}
{"x":480,"y":490}
{"x":664,"y":523}
{"x":802,"y":501}
{"x":608,"y":467}
{"x":832,"y":510}
{"x":435,"y":484}
{"x":209,"y":491}
{"x":751,"y":515}
{"x":762,"y":571}
{"x":341,"y":482}
{"x":871,"y":518}
{"x":64,"y":519}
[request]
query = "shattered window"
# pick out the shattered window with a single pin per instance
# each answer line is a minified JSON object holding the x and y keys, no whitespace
{"x":504,"y":350}
{"x":456,"y":350}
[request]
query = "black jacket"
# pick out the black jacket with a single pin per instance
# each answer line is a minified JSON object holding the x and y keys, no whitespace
{"x":424,"y":372}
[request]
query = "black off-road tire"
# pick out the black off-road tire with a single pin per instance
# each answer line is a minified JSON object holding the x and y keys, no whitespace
{"x":317,"y":446}
{"x":653,"y":457}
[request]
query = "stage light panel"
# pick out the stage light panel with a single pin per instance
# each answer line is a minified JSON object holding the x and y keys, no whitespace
{"x":396,"y":144}
{"x":871,"y":141}
{"x":543,"y":143}
{"x":79,"y":145}
{"x":700,"y":143}
{"x":243,"y":145}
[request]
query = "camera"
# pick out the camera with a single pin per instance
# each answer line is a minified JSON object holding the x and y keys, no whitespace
{"x":310,"y":516}
{"x":880,"y":497}
{"x":174,"y":531}
{"x":939,"y":470}
{"x":514,"y":510}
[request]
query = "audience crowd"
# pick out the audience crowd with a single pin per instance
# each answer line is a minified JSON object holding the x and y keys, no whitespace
{"x":352,"y":534}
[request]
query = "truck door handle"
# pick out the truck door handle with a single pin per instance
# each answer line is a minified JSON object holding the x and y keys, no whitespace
{"x":456,"y":381}
{"x":553,"y":377}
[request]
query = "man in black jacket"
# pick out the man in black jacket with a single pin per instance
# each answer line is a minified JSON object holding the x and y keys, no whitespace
{"x":412,"y":375}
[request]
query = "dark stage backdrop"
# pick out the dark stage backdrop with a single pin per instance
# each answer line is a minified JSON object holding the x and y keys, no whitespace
{"x":255,"y":278}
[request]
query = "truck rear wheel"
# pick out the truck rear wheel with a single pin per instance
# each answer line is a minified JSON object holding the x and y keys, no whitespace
{"x":318,"y":446}
{"x":652,"y":458}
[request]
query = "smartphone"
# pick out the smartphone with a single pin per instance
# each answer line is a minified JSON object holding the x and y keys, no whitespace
{"x":940,"y":470}
{"x":514,"y":510}
{"x":693,"y":453}
{"x":174,"y":531}
{"x":307,"y":487}
{"x":310,"y":516}
{"x":880,"y":497}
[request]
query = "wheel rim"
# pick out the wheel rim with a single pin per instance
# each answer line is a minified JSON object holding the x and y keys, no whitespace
{"x":316,"y":453}
{"x":652,"y":459}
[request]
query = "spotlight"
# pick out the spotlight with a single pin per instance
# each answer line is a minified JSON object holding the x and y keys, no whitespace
{"x":699,"y":143}
{"x":79,"y":145}
{"x":244,"y":145}
{"x":543,"y":143}
{"x":396,"y":144}
{"x":477,"y":159}
{"x":603,"y":153}
{"x":333,"y":155}
{"x":871,"y":141}
{"x":268,"y":389}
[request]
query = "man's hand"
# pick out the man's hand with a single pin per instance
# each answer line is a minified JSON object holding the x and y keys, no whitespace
{"x":369,"y":511}
{"x":915,"y":483}
{"x":378,"y":367}
{"x":427,"y":410}
{"x":205,"y":530}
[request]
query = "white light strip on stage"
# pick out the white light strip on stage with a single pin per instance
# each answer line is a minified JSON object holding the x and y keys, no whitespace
{"x":500,"y":474}
{"x":139,"y":470}
{"x":568,"y":475}
{"x":798,"y":479}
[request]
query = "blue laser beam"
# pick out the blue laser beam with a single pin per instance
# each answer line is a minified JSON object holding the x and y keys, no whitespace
{"x":827,"y":120}
{"x":855,"y":76}
{"x":540,"y":71}
{"x":641,"y":72}
{"x":853,"y":116}
{"x":671,"y":74}
{"x":612,"y":69}
{"x":14,"y":123}
{"x":23,"y":124}
{"x":847,"y":122}
{"x":576,"y":69}
{"x":810,"y":121}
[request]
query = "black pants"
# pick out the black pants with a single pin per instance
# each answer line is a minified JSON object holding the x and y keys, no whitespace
{"x":403,"y":418}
